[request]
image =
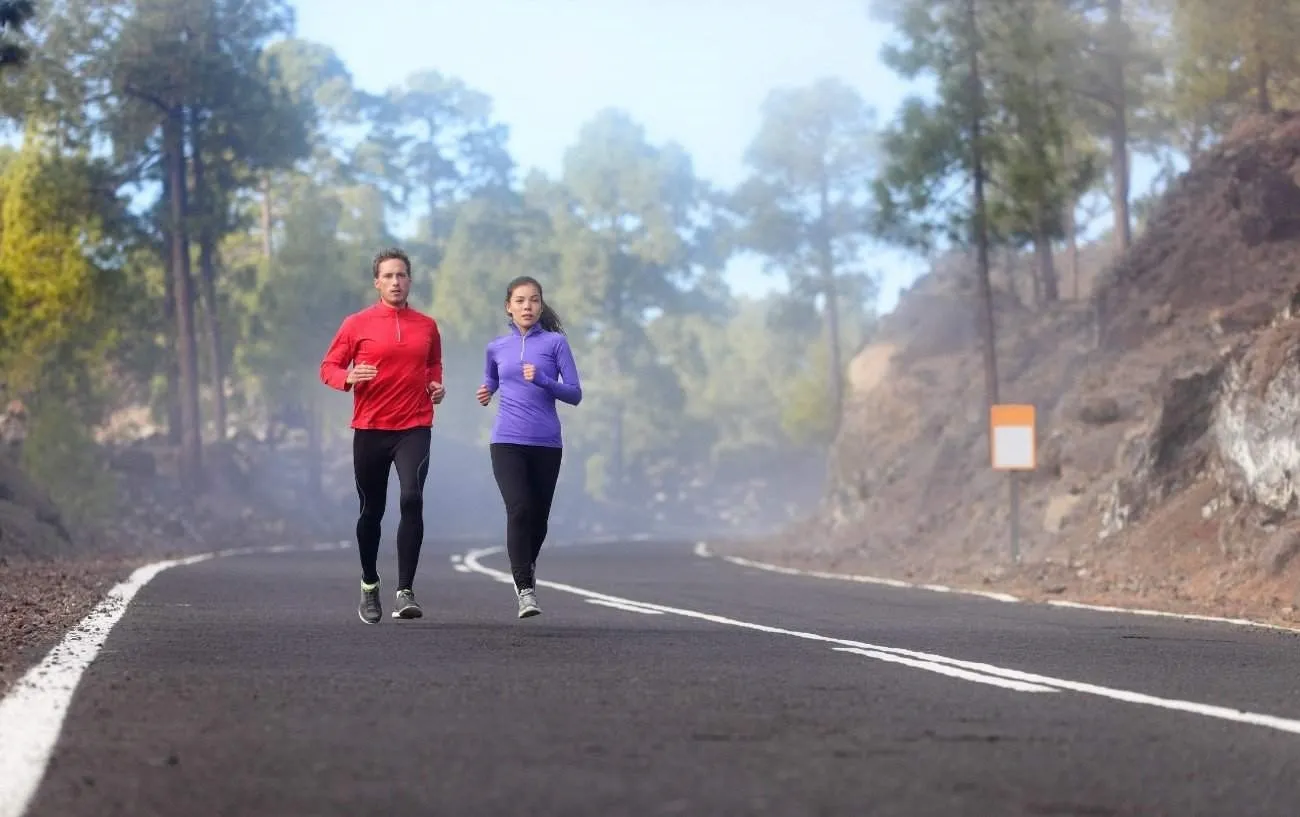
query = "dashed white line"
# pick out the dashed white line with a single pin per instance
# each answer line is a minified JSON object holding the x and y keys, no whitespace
{"x":32,"y":714}
{"x":474,"y":557}
{"x":943,"y":669}
{"x":630,"y":608}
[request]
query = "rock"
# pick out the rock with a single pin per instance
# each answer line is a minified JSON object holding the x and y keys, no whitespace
{"x":1161,"y":315}
{"x":1058,"y":512}
{"x":1265,"y":199}
{"x":1098,"y":410}
{"x":134,"y":462}
{"x":1257,"y":424}
{"x":1167,"y":454}
{"x":1279,"y":550}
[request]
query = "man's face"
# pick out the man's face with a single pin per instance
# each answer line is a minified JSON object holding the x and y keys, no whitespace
{"x":393,"y":282}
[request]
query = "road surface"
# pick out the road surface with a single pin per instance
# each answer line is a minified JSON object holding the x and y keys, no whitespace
{"x":656,"y":682}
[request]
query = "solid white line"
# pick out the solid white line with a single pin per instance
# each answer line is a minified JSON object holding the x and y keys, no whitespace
{"x":853,"y":577}
{"x":630,"y":608}
{"x":701,"y":550}
{"x":1222,"y":712}
{"x":1139,"y":611}
{"x":32,"y":714}
{"x":992,"y":680}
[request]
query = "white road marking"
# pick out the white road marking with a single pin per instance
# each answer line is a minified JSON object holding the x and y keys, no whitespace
{"x":942,"y":669}
{"x":630,"y":608}
{"x":472,"y":559}
{"x":854,"y":577}
{"x":31,"y":715}
{"x":702,"y":550}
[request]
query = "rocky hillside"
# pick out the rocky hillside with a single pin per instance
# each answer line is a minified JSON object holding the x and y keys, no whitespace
{"x":1168,"y":404}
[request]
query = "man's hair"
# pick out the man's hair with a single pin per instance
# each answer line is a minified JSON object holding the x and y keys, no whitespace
{"x":388,"y":255}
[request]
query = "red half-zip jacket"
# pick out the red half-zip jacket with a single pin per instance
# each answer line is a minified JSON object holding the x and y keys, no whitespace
{"x":406,"y":348}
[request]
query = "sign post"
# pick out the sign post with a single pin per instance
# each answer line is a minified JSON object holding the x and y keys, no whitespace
{"x":1013,"y":448}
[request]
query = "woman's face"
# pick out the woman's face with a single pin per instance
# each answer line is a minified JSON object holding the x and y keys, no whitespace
{"x":525,"y":306}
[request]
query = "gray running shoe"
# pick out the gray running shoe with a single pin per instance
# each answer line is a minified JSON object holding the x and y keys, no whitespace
{"x":370,"y":610}
{"x":407,"y":607}
{"x":528,"y":603}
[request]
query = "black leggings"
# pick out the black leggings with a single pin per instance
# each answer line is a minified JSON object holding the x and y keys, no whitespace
{"x":526,"y":475}
{"x":373,"y":453}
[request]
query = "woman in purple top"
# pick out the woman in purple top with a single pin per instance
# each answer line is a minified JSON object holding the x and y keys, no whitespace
{"x":531,"y":367}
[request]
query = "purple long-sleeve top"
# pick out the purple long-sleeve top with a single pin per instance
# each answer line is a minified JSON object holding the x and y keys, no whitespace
{"x":526,"y":410}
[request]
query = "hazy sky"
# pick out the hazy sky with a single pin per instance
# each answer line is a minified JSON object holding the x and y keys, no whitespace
{"x":695,"y":71}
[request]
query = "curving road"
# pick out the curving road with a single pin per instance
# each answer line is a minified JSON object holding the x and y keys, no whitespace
{"x":656,"y":682}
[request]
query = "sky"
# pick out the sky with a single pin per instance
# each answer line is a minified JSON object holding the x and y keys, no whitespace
{"x":692,"y":71}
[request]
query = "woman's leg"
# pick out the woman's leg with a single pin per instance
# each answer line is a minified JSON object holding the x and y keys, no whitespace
{"x":543,"y":474}
{"x":510,"y":467}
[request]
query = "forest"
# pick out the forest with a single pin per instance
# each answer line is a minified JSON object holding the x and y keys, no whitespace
{"x":193,"y":195}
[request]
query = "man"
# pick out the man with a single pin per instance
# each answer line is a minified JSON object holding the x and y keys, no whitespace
{"x":395,"y":354}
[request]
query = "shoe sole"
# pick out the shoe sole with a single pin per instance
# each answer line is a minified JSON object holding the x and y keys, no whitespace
{"x":408,"y":612}
{"x":365,"y":620}
{"x":530,"y":612}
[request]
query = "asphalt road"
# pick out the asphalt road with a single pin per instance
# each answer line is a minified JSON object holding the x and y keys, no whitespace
{"x":247,"y":686}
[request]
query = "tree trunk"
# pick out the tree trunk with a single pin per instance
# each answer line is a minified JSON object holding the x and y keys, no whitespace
{"x":208,"y":279}
{"x":979,"y":223}
{"x":171,"y":365}
{"x":1046,"y":272}
{"x":1072,"y":245}
{"x":191,"y":459}
{"x":1261,"y":87}
{"x":267,"y":214}
{"x":826,"y":270}
{"x":1118,"y":33}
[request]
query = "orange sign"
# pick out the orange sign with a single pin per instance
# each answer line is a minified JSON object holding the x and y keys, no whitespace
{"x":1011,"y":430}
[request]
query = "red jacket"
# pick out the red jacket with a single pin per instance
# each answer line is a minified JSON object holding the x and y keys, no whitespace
{"x":406,"y":348}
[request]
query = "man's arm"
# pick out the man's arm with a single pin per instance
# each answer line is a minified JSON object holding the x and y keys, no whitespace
{"x":433,"y":366}
{"x":334,"y":366}
{"x":569,"y":391}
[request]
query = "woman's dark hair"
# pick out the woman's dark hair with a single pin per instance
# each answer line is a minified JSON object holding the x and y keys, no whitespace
{"x":549,"y":320}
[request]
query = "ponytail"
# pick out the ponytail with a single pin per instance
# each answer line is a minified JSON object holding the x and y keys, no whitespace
{"x":550,"y":320}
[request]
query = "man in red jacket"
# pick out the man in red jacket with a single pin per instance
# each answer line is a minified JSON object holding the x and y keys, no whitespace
{"x":395,"y":354}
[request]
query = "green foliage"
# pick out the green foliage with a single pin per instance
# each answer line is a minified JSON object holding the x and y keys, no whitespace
{"x":63,"y":295}
{"x":60,"y":457}
{"x":304,"y":176}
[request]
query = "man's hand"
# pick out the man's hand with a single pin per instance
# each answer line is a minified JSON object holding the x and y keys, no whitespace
{"x":484,"y":396}
{"x":530,"y":371}
{"x":436,"y":392}
{"x":361,"y":373}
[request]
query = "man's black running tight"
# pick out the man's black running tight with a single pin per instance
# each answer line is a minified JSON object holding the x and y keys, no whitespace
{"x":374,"y":452}
{"x":526,"y":476}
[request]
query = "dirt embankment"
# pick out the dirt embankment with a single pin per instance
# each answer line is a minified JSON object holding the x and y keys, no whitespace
{"x":1168,"y":405}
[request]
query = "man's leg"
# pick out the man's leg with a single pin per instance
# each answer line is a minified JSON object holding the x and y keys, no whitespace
{"x":370,"y":464}
{"x":411,"y":457}
{"x":543,"y":474}
{"x":510,"y":467}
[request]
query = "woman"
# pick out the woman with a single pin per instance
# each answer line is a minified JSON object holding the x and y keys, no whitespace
{"x":532,"y":366}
